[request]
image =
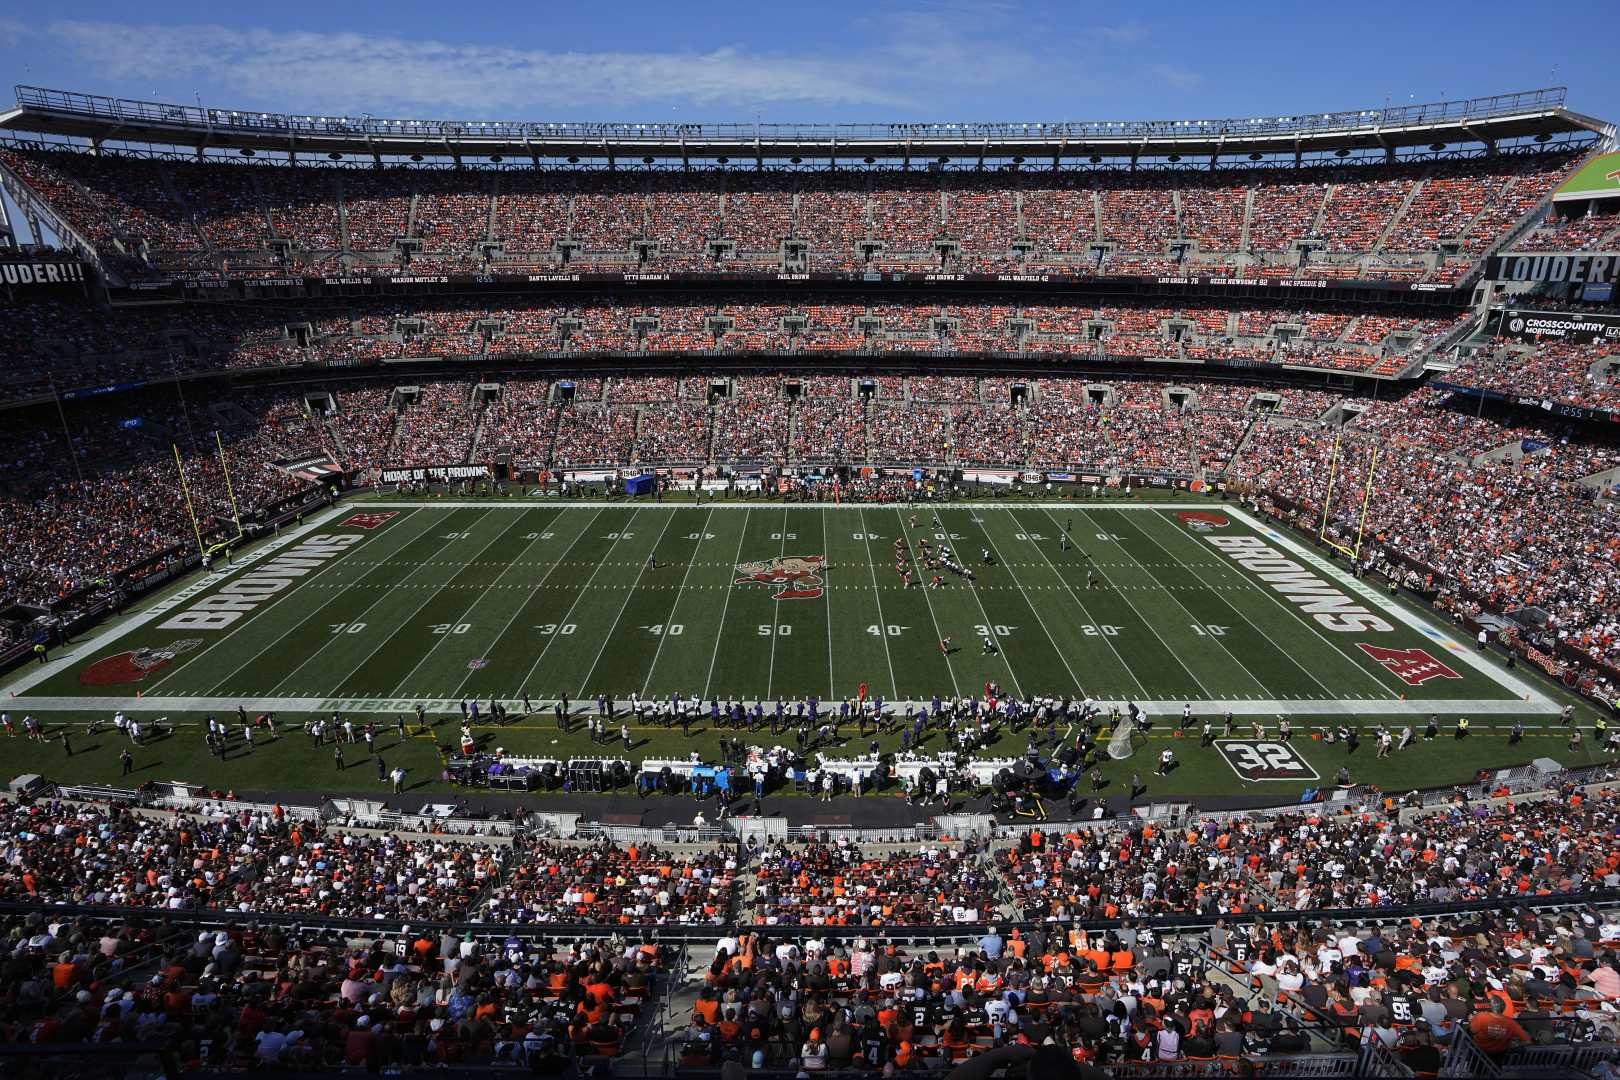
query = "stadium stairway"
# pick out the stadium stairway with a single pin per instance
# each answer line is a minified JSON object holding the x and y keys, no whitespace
{"x":1395,"y":218}
{"x":1321,"y":211}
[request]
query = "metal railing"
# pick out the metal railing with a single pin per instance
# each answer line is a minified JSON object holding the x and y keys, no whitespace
{"x":136,"y":111}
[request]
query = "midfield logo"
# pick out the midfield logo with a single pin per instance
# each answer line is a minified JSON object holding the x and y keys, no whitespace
{"x":1414,"y":667}
{"x":796,"y":577}
{"x":1255,"y":760}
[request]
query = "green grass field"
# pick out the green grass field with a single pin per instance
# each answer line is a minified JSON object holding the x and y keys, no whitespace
{"x":379,"y":605}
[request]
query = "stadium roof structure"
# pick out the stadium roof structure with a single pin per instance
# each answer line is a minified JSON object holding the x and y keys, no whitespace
{"x":1536,"y":114}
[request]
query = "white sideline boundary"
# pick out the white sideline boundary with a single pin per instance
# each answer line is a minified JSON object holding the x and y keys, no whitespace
{"x":1272,"y":707}
{"x":1527,"y":700}
{"x":65,"y":659}
{"x":526,"y":503}
{"x":1523,"y":691}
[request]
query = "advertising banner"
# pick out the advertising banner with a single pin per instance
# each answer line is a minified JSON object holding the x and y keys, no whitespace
{"x":435,"y":473}
{"x":1574,"y":327}
{"x":43,"y":272}
{"x":1593,"y":268}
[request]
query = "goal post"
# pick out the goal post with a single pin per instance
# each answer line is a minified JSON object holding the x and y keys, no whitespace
{"x":203,"y":548}
{"x":1335,"y":465}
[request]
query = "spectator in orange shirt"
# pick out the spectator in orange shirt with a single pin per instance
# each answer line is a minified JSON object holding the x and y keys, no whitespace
{"x":1495,"y":1032}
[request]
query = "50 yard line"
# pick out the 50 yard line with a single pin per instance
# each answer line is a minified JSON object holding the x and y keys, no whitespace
{"x":776,"y":611}
{"x":832,"y":683}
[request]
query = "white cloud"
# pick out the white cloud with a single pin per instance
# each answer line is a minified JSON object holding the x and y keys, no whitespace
{"x":1125,"y":33}
{"x":348,"y":72}
{"x":930,"y":59}
{"x":1177,"y":77}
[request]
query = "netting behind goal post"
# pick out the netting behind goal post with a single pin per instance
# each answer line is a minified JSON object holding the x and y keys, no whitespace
{"x":1121,"y":744}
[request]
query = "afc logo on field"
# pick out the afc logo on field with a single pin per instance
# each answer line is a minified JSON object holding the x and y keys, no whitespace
{"x":1252,"y":759}
{"x":1414,"y":667}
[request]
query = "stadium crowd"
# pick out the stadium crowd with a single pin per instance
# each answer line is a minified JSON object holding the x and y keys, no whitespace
{"x":1520,"y":527}
{"x":257,"y":217}
{"x":62,"y":346}
{"x":1266,"y":978}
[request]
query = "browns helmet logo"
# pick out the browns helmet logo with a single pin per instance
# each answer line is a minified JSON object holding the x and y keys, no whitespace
{"x":135,"y":665}
{"x":1202,"y":520}
{"x":796,"y":577}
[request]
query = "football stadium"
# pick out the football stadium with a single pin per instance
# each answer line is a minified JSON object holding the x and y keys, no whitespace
{"x":1136,"y":598}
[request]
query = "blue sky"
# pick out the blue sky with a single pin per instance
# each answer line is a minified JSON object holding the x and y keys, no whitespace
{"x":906,"y":60}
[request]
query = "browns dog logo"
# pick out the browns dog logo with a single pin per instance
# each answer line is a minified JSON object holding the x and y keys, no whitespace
{"x":795,"y":577}
{"x":133,"y":666}
{"x":1202,"y":520}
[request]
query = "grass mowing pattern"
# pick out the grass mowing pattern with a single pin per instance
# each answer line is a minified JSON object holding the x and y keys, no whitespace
{"x":444,"y":601}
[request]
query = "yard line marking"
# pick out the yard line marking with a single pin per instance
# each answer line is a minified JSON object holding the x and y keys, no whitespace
{"x":1034,"y":609}
{"x":989,"y":623}
{"x":426,"y":600}
{"x":776,"y":610}
{"x":1184,"y":609}
{"x":911,"y":559}
{"x":658,"y":651}
{"x":1229,"y":606}
{"x":1418,"y":707}
{"x":653,"y":554}
{"x":832,"y":683}
{"x":1275,"y":599}
{"x":525,"y":601}
{"x":1432,"y":630}
{"x":623,"y":529}
{"x":520,"y":503}
{"x":883,"y":624}
{"x":1154,"y":630}
{"x":1084,"y":610}
{"x":725,"y":607}
{"x":337,"y":594}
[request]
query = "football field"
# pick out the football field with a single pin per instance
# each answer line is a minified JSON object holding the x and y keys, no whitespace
{"x":375,"y":607}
